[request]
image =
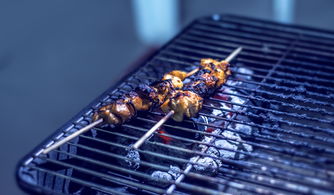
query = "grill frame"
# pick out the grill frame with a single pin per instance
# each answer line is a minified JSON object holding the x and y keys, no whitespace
{"x":24,"y":184}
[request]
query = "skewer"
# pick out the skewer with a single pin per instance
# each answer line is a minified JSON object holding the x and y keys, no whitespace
{"x":80,"y":131}
{"x":170,"y":113}
{"x":147,"y":134}
{"x":70,"y":137}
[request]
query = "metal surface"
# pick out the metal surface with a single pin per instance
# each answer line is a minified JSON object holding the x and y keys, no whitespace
{"x":277,"y":107}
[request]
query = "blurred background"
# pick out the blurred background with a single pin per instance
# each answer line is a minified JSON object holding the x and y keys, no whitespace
{"x":57,"y":56}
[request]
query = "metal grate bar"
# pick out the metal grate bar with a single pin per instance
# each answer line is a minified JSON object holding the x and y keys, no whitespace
{"x":251,"y":166}
{"x":254,"y":155}
{"x":276,"y":43}
{"x":260,"y":39}
{"x":279,"y":102}
{"x":274,"y":34}
{"x":79,"y":181}
{"x":221,"y":45}
{"x":258,"y":70}
{"x":296,"y":83}
{"x":204,"y":52}
{"x":177,"y":159}
{"x":325,"y":38}
{"x":212,"y":38}
{"x":160,"y":167}
{"x":257,"y":144}
{"x":102,"y":175}
{"x":273,"y":137}
{"x":278,"y":119}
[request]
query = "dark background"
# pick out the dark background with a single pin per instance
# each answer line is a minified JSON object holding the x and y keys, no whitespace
{"x":56,"y":56}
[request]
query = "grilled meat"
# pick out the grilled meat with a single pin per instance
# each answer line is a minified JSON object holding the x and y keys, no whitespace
{"x":116,"y":113}
{"x":169,"y":94}
{"x":183,"y":103}
{"x":178,"y":73}
{"x":211,"y":76}
{"x":218,"y":69}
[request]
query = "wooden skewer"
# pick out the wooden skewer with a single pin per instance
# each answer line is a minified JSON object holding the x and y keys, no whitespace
{"x":70,"y":137}
{"x":80,"y":131}
{"x":170,"y":113}
{"x":147,"y":134}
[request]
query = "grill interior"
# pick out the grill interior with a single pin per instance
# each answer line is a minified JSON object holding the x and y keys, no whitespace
{"x":268,"y":130}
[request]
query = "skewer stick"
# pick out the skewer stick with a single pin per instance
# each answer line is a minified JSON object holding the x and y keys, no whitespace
{"x":152,"y":130}
{"x":228,"y":59}
{"x":192,"y":72}
{"x":147,"y":134}
{"x":170,"y":113}
{"x":70,"y":137}
{"x":139,"y":142}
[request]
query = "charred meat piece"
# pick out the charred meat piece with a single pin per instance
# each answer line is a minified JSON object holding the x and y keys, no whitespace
{"x":176,"y":81}
{"x":116,"y":113}
{"x":219,"y":69}
{"x":183,"y":103}
{"x":178,"y":73}
{"x":140,"y":104}
{"x":168,"y":95}
{"x":163,"y":89}
{"x":147,"y":92}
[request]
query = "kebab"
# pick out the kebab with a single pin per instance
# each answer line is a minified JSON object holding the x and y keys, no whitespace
{"x":170,"y":94}
{"x":210,"y":76}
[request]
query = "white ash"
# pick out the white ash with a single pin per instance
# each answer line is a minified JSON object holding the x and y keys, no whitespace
{"x":174,"y":171}
{"x":235,"y":99}
{"x":224,"y":148}
{"x":205,"y":165}
{"x":132,"y":159}
{"x":172,"y":174}
{"x":161,"y":175}
{"x":232,"y":146}
{"x":222,"y":111}
{"x":205,"y":120}
{"x":246,"y":129}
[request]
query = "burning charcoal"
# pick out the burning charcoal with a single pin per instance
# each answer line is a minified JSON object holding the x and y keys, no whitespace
{"x":174,"y":171}
{"x":212,"y":151}
{"x":232,"y":145}
{"x":237,"y":100}
{"x":132,"y":159}
{"x":246,"y":129}
{"x":205,"y":165}
{"x":205,"y":120}
{"x":161,"y":175}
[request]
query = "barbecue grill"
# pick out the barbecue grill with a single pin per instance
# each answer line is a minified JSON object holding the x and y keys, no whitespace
{"x":268,"y":130}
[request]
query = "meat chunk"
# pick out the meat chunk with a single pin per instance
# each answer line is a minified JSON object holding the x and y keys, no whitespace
{"x":218,"y":69}
{"x":178,"y":73}
{"x":183,"y":103}
{"x":115,"y":113}
{"x":140,"y":104}
{"x":176,"y":81}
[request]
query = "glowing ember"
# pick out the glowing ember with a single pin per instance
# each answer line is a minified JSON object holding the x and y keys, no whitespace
{"x":165,"y":138}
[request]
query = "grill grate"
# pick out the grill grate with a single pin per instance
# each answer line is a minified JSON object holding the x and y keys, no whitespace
{"x":268,"y":130}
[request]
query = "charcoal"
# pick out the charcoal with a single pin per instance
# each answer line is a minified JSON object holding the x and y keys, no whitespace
{"x":205,"y":165}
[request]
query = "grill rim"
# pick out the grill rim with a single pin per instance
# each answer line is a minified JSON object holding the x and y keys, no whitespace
{"x":309,"y":32}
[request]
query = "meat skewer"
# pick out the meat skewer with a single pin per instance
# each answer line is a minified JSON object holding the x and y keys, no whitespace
{"x":130,"y":103}
{"x":208,"y":78}
{"x":145,"y":96}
